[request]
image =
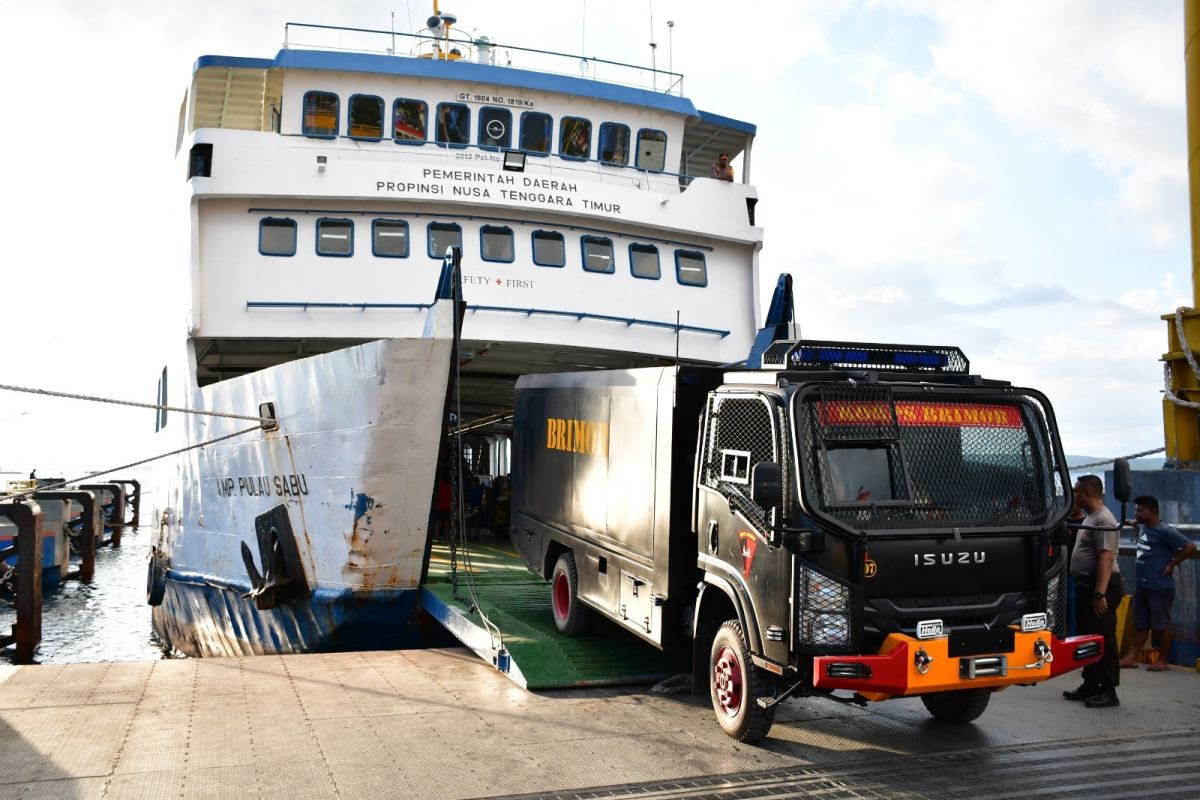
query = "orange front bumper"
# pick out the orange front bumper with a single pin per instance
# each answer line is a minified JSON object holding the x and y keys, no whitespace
{"x":897,"y":670}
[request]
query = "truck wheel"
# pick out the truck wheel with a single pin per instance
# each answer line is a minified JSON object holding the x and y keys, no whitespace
{"x":961,"y":706}
{"x":571,"y":616}
{"x":736,"y":684}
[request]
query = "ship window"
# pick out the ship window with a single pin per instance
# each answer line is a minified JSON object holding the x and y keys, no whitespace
{"x":535,"y":132}
{"x":614,"y":143}
{"x":320,"y":114}
{"x":408,"y":120}
{"x":443,"y":235}
{"x":575,"y":137}
{"x":690,"y":268}
{"x":495,"y":128}
{"x":549,"y":249}
{"x":366,"y":117}
{"x":597,"y":254}
{"x":160,"y":416}
{"x":335,"y":237}
{"x":496,"y":243}
{"x":643,"y":261}
{"x":277,"y":237}
{"x":453,"y":124}
{"x":389,"y":238}
{"x":652,"y":150}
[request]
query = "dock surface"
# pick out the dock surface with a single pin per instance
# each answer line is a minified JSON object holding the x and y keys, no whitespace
{"x":444,"y":724}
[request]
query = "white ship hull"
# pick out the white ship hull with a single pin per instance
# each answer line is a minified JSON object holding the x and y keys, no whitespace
{"x":352,"y":462}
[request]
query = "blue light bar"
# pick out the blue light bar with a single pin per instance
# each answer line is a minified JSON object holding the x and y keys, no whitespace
{"x":888,"y":357}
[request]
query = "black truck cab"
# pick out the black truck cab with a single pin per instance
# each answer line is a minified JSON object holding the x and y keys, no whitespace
{"x":850,"y":516}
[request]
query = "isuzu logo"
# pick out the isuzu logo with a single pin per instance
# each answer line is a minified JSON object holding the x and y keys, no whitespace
{"x":947,"y":559}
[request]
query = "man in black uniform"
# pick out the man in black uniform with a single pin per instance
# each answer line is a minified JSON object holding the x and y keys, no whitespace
{"x":1098,"y":592}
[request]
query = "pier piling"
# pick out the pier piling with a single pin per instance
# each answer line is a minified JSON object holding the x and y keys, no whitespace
{"x":116,"y":518}
{"x":91,"y":528}
{"x":27,"y":632}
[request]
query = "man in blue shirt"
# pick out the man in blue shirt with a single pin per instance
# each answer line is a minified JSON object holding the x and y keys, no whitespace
{"x":1160,"y":548}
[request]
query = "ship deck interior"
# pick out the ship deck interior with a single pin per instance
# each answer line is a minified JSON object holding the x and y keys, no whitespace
{"x":488,"y":371}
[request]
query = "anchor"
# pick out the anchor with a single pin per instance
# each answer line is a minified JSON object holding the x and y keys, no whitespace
{"x":283,"y":579}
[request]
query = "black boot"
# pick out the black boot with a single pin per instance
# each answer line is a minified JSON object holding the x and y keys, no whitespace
{"x":1105,"y":698}
{"x":1084,"y":691}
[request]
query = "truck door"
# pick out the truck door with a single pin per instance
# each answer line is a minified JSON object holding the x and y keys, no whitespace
{"x":740,"y":431}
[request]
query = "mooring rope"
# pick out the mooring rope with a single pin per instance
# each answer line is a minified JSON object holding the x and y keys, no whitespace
{"x":134,"y":404}
{"x":1168,"y":391}
{"x":27,"y":492}
{"x":1130,"y":457}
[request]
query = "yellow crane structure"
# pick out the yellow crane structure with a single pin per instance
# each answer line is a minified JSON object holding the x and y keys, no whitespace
{"x":1181,"y":422}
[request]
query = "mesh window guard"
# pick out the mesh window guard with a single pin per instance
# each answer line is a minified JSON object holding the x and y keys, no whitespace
{"x":927,"y":459}
{"x":737,"y":426}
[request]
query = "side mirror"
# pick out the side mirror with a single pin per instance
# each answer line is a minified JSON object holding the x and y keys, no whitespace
{"x":1121,"y":484}
{"x":766,"y":484}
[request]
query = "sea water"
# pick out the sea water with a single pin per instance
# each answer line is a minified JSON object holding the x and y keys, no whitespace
{"x":105,"y":620}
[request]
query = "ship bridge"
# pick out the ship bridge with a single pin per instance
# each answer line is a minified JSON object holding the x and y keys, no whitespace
{"x":325,"y":185}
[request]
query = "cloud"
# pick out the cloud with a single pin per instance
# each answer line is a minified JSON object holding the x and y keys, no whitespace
{"x":1092,"y":81}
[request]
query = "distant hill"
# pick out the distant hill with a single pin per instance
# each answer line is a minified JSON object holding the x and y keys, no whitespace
{"x":1137,"y":463}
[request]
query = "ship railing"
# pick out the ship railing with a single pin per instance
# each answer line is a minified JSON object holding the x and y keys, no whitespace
{"x":1129,"y":534}
{"x":460,"y":47}
{"x":528,"y":311}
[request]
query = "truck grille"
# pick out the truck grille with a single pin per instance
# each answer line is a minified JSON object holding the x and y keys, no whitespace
{"x":884,"y":616}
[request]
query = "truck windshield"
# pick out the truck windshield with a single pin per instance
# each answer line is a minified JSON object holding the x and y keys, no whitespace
{"x":875,"y":460}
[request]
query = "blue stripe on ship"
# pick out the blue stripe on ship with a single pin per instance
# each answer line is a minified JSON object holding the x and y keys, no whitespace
{"x":207,"y":615}
{"x":51,"y":571}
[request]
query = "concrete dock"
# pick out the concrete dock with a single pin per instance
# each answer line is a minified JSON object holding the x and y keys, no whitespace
{"x":443,"y":724}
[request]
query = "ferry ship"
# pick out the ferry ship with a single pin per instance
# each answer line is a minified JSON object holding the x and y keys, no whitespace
{"x":324,"y":187}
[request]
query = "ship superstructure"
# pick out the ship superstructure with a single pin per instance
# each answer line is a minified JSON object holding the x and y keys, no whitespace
{"x":325,"y":187}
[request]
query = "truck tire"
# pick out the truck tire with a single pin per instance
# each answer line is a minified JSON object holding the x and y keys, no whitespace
{"x":735,"y":685}
{"x":963,"y":705}
{"x":571,"y":616}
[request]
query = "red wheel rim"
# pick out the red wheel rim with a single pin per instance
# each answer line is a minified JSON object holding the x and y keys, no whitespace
{"x":727,"y":681}
{"x":562,"y":595}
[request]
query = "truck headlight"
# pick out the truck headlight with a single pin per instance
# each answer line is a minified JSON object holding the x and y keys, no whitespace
{"x":824,"y":611}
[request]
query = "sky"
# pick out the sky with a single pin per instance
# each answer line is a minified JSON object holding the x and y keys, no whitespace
{"x":1008,"y":177}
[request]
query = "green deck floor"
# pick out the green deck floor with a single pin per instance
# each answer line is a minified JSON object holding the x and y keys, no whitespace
{"x":518,"y":603}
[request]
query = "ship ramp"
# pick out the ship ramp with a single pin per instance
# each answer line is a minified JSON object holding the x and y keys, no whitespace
{"x":516,"y":632}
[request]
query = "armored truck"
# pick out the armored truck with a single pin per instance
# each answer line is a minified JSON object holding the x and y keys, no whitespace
{"x":847,"y":518}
